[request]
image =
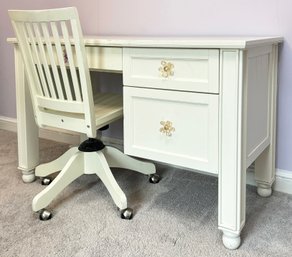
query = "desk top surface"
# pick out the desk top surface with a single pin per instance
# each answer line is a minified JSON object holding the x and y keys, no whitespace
{"x":178,"y":42}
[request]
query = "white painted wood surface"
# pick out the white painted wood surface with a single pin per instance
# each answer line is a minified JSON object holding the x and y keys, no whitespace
{"x":27,"y":130}
{"x":191,"y":69}
{"x":232,"y":169}
{"x":265,"y":163}
{"x":258,"y":100}
{"x":247,"y":74}
{"x":194,"y":117}
{"x":211,"y":42}
{"x":61,"y":96}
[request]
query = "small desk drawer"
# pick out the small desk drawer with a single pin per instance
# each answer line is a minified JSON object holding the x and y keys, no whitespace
{"x":99,"y":58}
{"x":194,"y":70}
{"x":105,"y":58}
{"x":179,"y":128}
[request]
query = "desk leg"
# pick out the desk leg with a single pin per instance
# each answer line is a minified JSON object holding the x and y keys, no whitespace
{"x":232,"y":170}
{"x":265,"y":163}
{"x":265,"y":172}
{"x":27,"y":131}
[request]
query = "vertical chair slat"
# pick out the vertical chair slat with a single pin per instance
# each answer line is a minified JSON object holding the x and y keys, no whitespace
{"x":79,"y":57}
{"x":69,"y":53}
{"x":58,"y":85}
{"x":83,"y":73}
{"x":43,"y":58}
{"x":34,"y":51}
{"x":22,"y":35}
{"x":61,"y":60}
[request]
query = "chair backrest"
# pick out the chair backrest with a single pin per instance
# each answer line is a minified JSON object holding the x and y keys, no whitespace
{"x":53,"y":52}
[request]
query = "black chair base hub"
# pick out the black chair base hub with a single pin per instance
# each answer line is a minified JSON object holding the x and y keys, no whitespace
{"x":91,"y":145}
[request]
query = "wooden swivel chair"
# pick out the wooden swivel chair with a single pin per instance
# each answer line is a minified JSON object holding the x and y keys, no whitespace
{"x":62,"y":97}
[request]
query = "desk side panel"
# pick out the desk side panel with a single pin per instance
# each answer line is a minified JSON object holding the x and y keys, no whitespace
{"x":258,"y":101}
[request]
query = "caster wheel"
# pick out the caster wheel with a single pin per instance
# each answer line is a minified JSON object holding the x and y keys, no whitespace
{"x":127,"y":214}
{"x":46,"y":181}
{"x":45,"y":215}
{"x":154,"y":178}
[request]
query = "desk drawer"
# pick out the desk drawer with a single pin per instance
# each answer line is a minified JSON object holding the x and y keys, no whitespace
{"x":99,"y":58}
{"x":179,"y":128}
{"x":105,"y":58}
{"x":194,"y":70}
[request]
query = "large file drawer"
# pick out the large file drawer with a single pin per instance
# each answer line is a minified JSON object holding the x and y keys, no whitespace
{"x":178,"y":128}
{"x":195,"y":70}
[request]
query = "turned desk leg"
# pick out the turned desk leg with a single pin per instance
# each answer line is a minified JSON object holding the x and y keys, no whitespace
{"x":27,"y":131}
{"x":265,"y":172}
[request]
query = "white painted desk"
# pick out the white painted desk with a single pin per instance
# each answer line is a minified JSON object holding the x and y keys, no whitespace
{"x":201,"y":103}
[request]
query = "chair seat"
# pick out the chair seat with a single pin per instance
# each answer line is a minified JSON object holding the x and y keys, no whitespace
{"x":108,"y":107}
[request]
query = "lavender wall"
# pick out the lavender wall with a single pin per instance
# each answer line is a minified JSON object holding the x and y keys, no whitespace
{"x":172,"y":17}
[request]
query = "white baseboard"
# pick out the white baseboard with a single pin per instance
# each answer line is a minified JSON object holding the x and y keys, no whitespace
{"x":283,"y":182}
{"x":7,"y":123}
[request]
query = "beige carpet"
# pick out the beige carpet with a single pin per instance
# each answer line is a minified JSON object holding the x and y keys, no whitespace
{"x":177,"y":217}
